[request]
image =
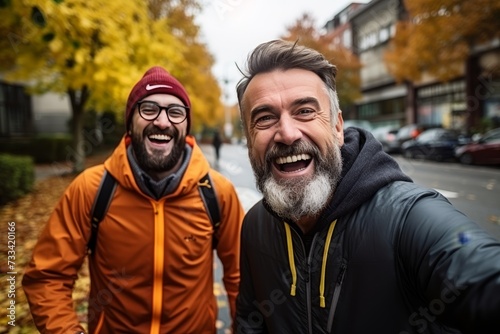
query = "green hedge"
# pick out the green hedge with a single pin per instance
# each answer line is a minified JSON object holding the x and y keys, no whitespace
{"x":43,"y":149}
{"x":17,"y":176}
{"x":50,"y":149}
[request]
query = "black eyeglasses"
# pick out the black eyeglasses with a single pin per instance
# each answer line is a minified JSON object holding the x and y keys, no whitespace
{"x":150,"y":111}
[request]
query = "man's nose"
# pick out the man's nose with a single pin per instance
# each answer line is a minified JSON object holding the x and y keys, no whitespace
{"x":288,"y":131}
{"x":162,"y":120}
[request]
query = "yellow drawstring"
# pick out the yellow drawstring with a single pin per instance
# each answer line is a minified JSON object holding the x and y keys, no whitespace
{"x":323,"y":265}
{"x":290,"y":259}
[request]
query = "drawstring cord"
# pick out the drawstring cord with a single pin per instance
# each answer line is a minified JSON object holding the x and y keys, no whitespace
{"x":293,"y":270}
{"x":323,"y":265}
{"x":290,"y":259}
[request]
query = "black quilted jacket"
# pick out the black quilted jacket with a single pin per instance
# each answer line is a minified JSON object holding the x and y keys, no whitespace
{"x":387,"y":256}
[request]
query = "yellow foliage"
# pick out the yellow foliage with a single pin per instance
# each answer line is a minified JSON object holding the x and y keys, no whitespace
{"x":439,"y":35}
{"x":96,"y":50}
{"x":348,"y":65}
{"x":104,"y":47}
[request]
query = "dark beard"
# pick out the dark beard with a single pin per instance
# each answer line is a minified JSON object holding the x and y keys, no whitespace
{"x":296,"y":198}
{"x":156,"y":162}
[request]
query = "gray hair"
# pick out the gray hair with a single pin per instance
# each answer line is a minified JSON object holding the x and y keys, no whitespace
{"x":284,"y":55}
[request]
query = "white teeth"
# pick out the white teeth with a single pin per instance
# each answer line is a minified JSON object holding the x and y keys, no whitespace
{"x":160,"y":137}
{"x":292,"y":158}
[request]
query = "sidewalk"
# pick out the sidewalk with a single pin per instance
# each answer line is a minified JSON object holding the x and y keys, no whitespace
{"x":43,"y":171}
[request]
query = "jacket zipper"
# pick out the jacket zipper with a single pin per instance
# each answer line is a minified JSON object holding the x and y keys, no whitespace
{"x":308,"y":280}
{"x":336,"y":292}
{"x":309,"y":293}
{"x":308,"y":297}
{"x":159,"y":250}
{"x":336,"y":295}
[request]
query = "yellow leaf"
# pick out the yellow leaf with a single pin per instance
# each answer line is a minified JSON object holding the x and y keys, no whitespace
{"x":56,"y":45}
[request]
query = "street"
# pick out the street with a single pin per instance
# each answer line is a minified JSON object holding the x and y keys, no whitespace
{"x":474,"y":190}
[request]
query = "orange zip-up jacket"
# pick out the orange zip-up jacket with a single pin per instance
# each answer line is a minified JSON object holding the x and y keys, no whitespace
{"x":152,"y":271}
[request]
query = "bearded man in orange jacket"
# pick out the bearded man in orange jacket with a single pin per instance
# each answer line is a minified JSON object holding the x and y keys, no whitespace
{"x":152,"y":268}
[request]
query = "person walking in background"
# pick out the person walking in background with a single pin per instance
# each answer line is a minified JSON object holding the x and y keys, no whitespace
{"x":152,"y":267}
{"x":343,"y":241}
{"x":217,"y":143}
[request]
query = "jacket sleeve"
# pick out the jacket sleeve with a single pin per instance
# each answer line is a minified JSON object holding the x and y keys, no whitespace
{"x":228,"y":246}
{"x":454,"y":265}
{"x":58,"y":255}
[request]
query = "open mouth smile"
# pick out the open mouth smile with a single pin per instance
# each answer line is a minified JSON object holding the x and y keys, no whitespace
{"x":159,"y":138}
{"x":293,"y":163}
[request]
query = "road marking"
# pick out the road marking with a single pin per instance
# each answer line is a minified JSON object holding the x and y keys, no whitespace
{"x":447,"y":194}
{"x":231,"y":167}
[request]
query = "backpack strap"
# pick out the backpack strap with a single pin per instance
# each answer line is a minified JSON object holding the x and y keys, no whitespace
{"x":209,"y":198}
{"x":100,"y":207}
{"x":105,"y":194}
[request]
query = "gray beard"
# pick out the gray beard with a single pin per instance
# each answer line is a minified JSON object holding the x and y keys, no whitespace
{"x":298,"y":199}
{"x":304,"y":197}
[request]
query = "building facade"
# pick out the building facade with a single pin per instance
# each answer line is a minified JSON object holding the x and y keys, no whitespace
{"x":25,"y":115}
{"x":16,"y":114}
{"x":384,"y":101}
{"x":469,"y":102}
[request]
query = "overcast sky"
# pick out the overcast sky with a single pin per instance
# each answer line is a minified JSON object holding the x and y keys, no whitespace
{"x":232,"y":28}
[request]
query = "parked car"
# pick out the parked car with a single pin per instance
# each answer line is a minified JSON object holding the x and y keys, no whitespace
{"x":410,"y":132}
{"x":364,"y":124}
{"x":437,"y":144}
{"x":386,"y":135}
{"x":484,"y":151}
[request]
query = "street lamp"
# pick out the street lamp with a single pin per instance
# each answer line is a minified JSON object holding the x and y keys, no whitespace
{"x":228,"y":125}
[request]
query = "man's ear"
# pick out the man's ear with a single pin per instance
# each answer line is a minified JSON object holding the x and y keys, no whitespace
{"x":339,"y":129}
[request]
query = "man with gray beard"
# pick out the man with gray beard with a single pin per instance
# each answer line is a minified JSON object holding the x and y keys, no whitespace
{"x":343,"y":241}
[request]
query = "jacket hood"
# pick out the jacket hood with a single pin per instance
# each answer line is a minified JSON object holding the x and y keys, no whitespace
{"x":366,"y":169}
{"x":118,"y":165}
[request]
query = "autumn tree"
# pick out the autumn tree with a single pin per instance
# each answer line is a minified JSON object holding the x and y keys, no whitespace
{"x":94,"y":51}
{"x":305,"y":32}
{"x":195,"y":71}
{"x":438,"y":36}
{"x":90,"y":50}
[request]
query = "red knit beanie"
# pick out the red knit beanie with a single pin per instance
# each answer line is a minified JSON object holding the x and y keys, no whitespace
{"x":156,"y":81}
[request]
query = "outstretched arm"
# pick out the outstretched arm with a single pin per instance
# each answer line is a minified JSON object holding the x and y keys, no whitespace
{"x":455,"y":266}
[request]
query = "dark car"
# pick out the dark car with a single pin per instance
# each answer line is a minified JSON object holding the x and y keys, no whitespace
{"x":386,"y":135}
{"x":484,"y":151}
{"x":436,"y":144}
{"x":410,"y":132}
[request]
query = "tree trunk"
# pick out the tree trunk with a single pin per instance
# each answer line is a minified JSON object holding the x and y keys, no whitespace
{"x":77,"y":153}
{"x":78,"y":144}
